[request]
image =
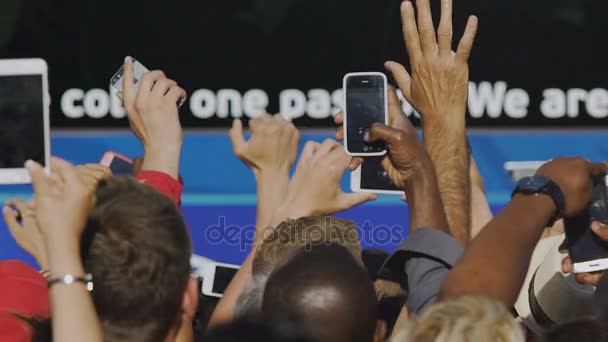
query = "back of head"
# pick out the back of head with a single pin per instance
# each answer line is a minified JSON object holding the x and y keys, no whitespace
{"x":463,"y":319}
{"x":288,"y":237}
{"x":326,"y":291}
{"x":586,"y":330}
{"x":294,"y":234}
{"x":138,"y":249}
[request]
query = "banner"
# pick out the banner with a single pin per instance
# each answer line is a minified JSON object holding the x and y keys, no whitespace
{"x":535,"y":64}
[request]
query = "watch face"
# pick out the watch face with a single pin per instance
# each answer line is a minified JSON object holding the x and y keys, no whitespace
{"x":533,"y":184}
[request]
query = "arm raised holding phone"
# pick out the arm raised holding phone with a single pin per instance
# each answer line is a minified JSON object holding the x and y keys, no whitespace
{"x":154,"y":118}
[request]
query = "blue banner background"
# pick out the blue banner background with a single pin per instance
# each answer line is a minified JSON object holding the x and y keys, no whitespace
{"x":219,"y":196}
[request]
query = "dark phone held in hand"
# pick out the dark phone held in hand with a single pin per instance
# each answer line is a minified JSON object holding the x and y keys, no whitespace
{"x":589,"y":253}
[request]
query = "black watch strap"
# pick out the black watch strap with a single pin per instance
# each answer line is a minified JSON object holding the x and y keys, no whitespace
{"x":541,"y":185}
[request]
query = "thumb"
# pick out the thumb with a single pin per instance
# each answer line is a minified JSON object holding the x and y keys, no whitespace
{"x":40,"y":180}
{"x":401,"y":76}
{"x":349,"y":200}
{"x":237,"y":139}
{"x":381,"y":132}
{"x":600,"y":230}
{"x":598,"y":169}
{"x":128,"y":85}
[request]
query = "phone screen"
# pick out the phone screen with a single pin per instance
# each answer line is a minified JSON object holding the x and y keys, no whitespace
{"x":584,"y":246}
{"x":121,"y":167}
{"x":21,"y":120}
{"x":223,"y":277}
{"x":365,"y":105}
{"x":374,"y":177}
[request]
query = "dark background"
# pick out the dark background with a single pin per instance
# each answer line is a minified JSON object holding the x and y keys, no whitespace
{"x":302,"y":44}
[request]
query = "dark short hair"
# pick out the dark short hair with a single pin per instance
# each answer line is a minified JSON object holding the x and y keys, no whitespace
{"x":137,"y":247}
{"x":326,"y":291}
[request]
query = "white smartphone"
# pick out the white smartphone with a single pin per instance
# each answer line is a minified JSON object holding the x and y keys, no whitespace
{"x":139,"y":69}
{"x":24,"y":118}
{"x":365,"y":103}
{"x":216,"y":275}
{"x":371,"y":177}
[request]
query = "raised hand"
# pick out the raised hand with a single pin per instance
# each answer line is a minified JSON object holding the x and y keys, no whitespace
{"x":438,"y":85}
{"x":154,"y":118}
{"x":407,"y":154}
{"x":273,"y":143}
{"x":63,"y":201}
{"x":26,"y":233}
{"x":575,"y":177}
{"x":315,"y":187}
{"x":92,"y":174}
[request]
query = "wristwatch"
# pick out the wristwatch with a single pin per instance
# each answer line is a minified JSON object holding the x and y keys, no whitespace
{"x":541,"y":185}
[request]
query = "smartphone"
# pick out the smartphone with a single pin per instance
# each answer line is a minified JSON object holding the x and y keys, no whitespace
{"x":365,"y":103}
{"x":118,"y":164}
{"x":371,"y":177}
{"x":139,"y":69}
{"x":216,"y":276}
{"x":588,"y":252}
{"x":24,"y":118}
{"x":521,"y":169}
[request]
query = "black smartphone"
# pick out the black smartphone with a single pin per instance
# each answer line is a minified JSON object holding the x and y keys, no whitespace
{"x":588,"y":252}
{"x":365,"y":103}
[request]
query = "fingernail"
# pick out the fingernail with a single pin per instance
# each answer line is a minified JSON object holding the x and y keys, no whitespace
{"x":366,"y":136}
{"x":127,"y":59}
{"x":407,"y":3}
{"x":30,"y":165}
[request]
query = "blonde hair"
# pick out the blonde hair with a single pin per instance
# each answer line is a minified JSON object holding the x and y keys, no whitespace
{"x":294,"y":234}
{"x":463,"y":319}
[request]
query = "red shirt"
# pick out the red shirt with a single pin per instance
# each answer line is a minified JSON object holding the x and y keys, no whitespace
{"x":163,"y":183}
{"x":22,"y":290}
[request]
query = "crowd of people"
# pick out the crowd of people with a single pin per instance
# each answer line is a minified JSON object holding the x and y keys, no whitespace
{"x":114,"y":252}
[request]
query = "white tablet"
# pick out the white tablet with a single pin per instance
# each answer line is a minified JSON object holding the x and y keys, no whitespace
{"x":371,"y":177}
{"x":24,"y":117}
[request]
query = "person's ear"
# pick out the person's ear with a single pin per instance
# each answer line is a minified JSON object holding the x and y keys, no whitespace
{"x":381,"y":330}
{"x":190,"y":299}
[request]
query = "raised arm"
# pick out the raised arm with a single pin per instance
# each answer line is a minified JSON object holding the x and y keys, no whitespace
{"x":409,"y":167}
{"x":154,"y":118}
{"x":438,"y":90}
{"x":270,"y":152}
{"x":63,"y":203}
{"x":496,"y":262}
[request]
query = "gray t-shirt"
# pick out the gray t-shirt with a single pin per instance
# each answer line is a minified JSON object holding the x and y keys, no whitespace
{"x":424,"y":258}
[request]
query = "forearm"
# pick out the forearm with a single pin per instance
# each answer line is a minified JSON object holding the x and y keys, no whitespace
{"x":73,"y":311}
{"x":225,"y":310}
{"x":271,"y":189}
{"x":446,"y":144}
{"x":162,"y":159}
{"x":480,"y":211}
{"x":496,"y":262}
{"x":424,"y":202}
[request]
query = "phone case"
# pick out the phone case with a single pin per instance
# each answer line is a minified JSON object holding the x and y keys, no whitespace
{"x":344,"y":81}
